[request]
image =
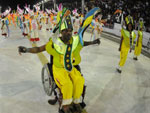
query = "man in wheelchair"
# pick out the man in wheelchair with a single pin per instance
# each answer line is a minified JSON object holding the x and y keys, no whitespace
{"x":65,"y":51}
{"x":50,"y":86}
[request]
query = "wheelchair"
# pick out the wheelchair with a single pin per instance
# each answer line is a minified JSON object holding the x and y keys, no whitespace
{"x":50,"y":86}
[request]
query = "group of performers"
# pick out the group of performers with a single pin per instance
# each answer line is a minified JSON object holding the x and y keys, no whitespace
{"x":30,"y":22}
{"x":66,"y":47}
{"x":65,"y":50}
{"x":128,"y":37}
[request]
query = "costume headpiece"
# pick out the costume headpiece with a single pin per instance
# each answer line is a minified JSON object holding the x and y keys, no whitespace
{"x":141,"y":23}
{"x":7,"y":11}
{"x":60,"y":7}
{"x":20,"y":11}
{"x":48,"y":11}
{"x":129,"y":19}
{"x":74,"y":11}
{"x":65,"y":21}
{"x":29,"y":10}
{"x":37,"y":7}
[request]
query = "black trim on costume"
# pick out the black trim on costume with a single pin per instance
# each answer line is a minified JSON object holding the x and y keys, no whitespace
{"x":55,"y":29}
{"x":67,"y":58}
{"x":69,"y":23}
{"x":85,"y":29}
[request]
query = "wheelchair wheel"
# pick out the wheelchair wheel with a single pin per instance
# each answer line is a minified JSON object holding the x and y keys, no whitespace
{"x":47,"y":80}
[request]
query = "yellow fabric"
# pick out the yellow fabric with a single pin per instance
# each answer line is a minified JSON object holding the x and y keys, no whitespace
{"x":57,"y":57}
{"x":76,"y":54}
{"x":75,"y":42}
{"x":129,"y":19}
{"x":141,"y":24}
{"x":87,"y":21}
{"x":58,"y":52}
{"x":58,"y":16}
{"x":126,"y":37}
{"x":70,"y":83}
{"x":138,"y":46}
{"x":63,"y":26}
{"x":59,"y":46}
{"x":125,"y":47}
{"x":123,"y":56}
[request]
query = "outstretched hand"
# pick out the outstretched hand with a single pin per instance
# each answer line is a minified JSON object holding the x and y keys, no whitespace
{"x":97,"y":41}
{"x":22,"y":49}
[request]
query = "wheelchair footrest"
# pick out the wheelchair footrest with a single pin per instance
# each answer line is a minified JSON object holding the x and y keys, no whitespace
{"x":52,"y":101}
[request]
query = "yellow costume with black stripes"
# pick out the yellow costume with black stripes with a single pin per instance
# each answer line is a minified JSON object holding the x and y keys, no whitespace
{"x":67,"y":78}
{"x":125,"y":47}
{"x":138,"y":46}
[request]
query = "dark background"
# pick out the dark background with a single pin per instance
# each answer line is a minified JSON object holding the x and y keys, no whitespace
{"x":13,"y":3}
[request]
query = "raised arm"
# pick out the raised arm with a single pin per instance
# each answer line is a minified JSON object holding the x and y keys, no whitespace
{"x":87,"y":43}
{"x":22,"y":49}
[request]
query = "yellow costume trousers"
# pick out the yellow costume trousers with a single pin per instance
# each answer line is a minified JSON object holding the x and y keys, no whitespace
{"x":138,"y":49}
{"x":123,"y":56}
{"x":70,"y":83}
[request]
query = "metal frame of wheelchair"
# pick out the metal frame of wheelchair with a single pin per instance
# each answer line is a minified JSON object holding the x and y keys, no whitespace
{"x":50,"y":86}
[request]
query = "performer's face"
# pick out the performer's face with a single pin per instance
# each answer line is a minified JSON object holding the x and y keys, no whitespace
{"x":130,"y":27}
{"x":141,"y":28}
{"x":66,"y":35}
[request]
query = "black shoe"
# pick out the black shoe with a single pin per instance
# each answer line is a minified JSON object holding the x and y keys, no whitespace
{"x":135,"y":58}
{"x":65,"y":109}
{"x":118,"y":70}
{"x":82,"y":105}
{"x":62,"y":111}
{"x":52,"y":101}
{"x":78,"y":108}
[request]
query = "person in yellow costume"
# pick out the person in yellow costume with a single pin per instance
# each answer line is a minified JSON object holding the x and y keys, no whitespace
{"x":128,"y":19}
{"x":66,"y":54}
{"x":127,"y":38}
{"x":138,"y":45}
